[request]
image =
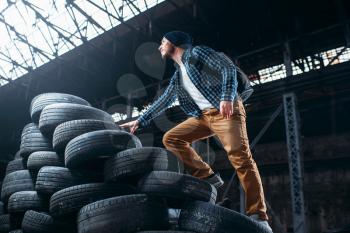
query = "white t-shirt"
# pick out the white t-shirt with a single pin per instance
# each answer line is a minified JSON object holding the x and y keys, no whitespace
{"x":198,"y":98}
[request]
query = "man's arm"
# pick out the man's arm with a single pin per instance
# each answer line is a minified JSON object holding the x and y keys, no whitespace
{"x":160,"y":105}
{"x":222,"y":65}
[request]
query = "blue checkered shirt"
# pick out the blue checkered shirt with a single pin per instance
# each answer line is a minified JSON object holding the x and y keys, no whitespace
{"x":211,"y":72}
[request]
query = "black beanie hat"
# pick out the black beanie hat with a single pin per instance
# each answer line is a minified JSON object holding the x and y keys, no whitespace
{"x":179,"y":38}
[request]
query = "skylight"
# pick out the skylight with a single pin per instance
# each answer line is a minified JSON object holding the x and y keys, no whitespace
{"x":33,"y":32}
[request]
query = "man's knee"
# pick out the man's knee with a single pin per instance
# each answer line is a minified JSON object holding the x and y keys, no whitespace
{"x":241,"y":158}
{"x":166,"y":139}
{"x":170,"y":139}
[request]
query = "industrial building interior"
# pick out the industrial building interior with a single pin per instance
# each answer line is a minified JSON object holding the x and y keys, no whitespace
{"x":295,"y":53}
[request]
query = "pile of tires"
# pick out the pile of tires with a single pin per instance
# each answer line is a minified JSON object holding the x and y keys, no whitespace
{"x":77,"y":171}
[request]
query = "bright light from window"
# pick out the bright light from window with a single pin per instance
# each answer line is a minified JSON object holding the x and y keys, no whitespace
{"x":306,"y":64}
{"x":20,"y":23}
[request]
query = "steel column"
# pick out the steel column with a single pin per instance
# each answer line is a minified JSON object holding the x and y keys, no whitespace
{"x":294,"y":153}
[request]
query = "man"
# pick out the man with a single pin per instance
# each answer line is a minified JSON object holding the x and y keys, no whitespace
{"x":214,"y":108}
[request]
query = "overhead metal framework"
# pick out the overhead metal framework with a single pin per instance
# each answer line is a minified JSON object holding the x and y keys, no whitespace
{"x":34,"y":32}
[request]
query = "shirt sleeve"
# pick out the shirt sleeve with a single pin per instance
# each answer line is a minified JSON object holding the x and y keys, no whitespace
{"x":221,"y":64}
{"x":160,"y":105}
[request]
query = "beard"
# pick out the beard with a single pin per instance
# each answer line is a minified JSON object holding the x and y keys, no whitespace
{"x":169,"y":53}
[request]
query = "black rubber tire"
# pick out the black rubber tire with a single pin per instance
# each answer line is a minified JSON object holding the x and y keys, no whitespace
{"x":16,"y":181}
{"x":72,"y":199}
{"x":16,"y":231}
{"x":51,"y":179}
{"x":15,"y":165}
{"x":177,"y":186}
{"x":204,"y":217}
{"x":123,"y":214}
{"x":56,"y":114}
{"x":39,"y":102}
{"x":27,"y":200}
{"x":139,"y":161}
{"x":38,"y":222}
{"x":42,"y":222}
{"x":71,"y":129}
{"x":29,"y":129}
{"x":98,"y":144}
{"x":41,"y":159}
{"x":33,"y":140}
{"x":5,"y":225}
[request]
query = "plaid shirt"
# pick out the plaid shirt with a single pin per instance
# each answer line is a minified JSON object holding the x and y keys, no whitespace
{"x":211,"y":72}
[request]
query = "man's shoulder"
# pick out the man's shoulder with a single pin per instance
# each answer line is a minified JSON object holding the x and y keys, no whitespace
{"x":201,"y":53}
{"x":200,"y":49}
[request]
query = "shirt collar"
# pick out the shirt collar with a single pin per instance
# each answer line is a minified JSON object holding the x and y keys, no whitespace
{"x":183,"y":57}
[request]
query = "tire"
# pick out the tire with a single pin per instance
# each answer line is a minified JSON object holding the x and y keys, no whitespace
{"x":27,"y":200}
{"x":123,"y":214}
{"x":71,"y":129}
{"x":39,"y":102}
{"x":72,"y":199}
{"x":15,"y":165}
{"x":56,"y":114}
{"x":204,"y":217}
{"x":98,"y":144}
{"x":33,"y":140}
{"x":52,"y":179}
{"x":38,"y":222}
{"x":5,"y":225}
{"x":15,"y":182}
{"x":177,"y":186}
{"x":40,"y":159}
{"x":138,"y":162}
{"x":41,"y":222}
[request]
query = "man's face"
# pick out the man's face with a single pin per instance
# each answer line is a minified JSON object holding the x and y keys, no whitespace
{"x":166,"y":48}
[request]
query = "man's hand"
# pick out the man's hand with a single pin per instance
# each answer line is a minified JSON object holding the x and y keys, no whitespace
{"x":133,"y":125}
{"x":226,"y":108}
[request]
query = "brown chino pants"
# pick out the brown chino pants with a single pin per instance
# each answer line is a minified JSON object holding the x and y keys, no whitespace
{"x":232,"y":133}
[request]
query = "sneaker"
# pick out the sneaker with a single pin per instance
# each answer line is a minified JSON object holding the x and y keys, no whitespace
{"x":215,"y":180}
{"x":265,"y":223}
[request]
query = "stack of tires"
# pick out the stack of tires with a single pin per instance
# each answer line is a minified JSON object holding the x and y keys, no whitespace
{"x":76,"y":171}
